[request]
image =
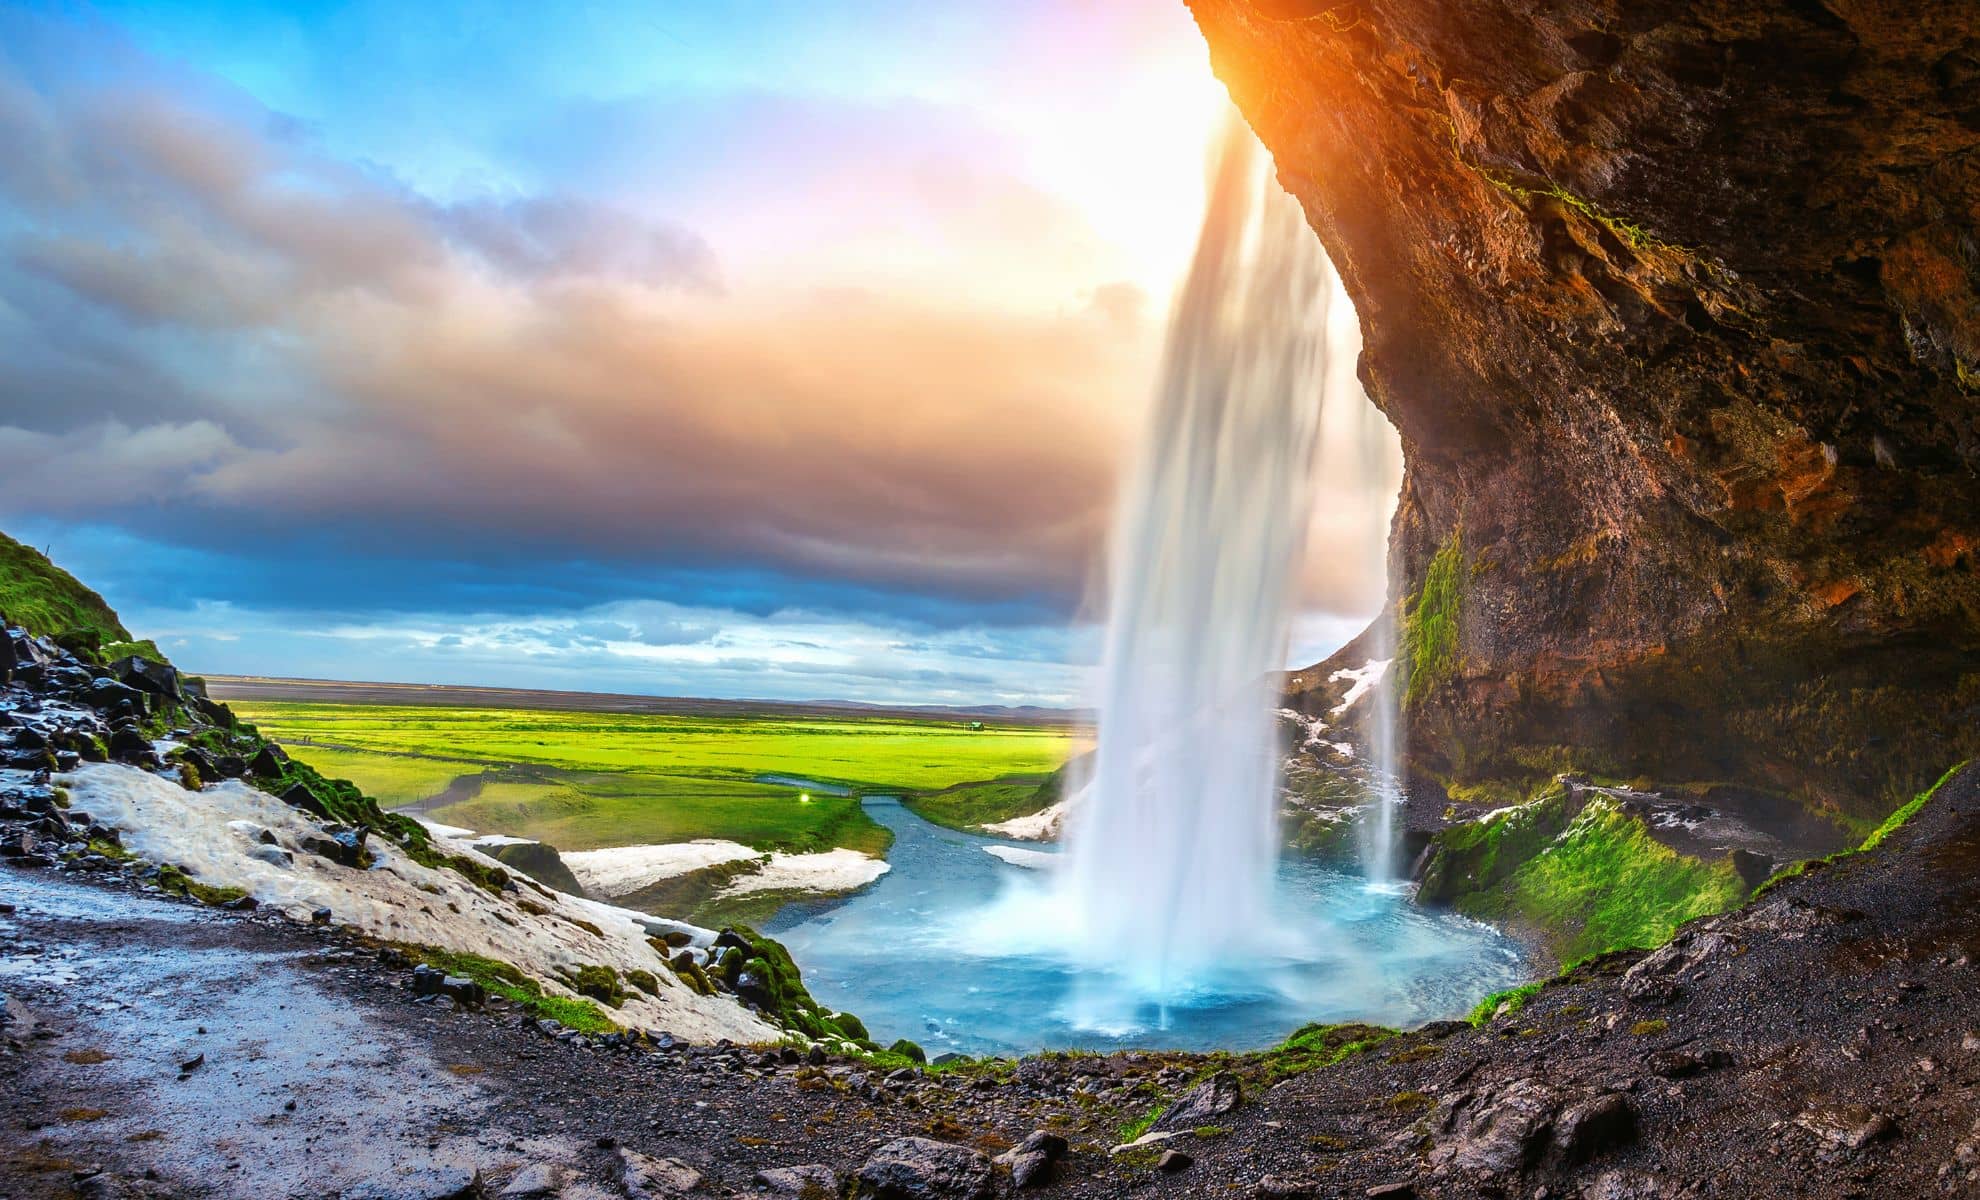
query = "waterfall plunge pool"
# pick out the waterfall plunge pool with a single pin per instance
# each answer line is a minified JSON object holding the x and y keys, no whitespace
{"x":960,"y":951}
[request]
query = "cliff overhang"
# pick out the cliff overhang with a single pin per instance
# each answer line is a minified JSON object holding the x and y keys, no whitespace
{"x":1676,"y":307}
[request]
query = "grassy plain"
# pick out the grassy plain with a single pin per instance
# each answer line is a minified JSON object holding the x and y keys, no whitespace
{"x":985,"y":802}
{"x":394,"y":780}
{"x":581,"y":780}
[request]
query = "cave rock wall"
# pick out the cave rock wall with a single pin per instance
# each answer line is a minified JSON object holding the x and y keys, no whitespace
{"x":1676,"y":307}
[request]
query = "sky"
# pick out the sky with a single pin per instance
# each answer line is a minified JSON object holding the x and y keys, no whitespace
{"x":772,"y":350}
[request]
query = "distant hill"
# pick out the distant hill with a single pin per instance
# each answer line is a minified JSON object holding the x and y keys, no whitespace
{"x":326,"y":691}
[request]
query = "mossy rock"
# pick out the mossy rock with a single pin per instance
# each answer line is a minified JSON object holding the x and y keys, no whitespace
{"x":599,"y":982}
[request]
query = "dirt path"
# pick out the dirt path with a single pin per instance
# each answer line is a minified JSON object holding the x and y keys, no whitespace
{"x":299,"y":1086}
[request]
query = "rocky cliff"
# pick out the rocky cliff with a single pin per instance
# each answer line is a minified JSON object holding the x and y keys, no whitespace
{"x":1676,"y":306}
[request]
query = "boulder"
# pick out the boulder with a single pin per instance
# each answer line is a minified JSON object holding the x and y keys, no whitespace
{"x":1212,"y":1098}
{"x":200,"y":761}
{"x":269,"y":761}
{"x":1030,"y":1161}
{"x":1656,"y":977}
{"x":537,"y":1181}
{"x":128,"y":745}
{"x":1496,"y":1133}
{"x":1683,"y":1064}
{"x":1173,"y":1161}
{"x":1794,"y":919}
{"x":299,"y":796}
{"x":752,"y":988}
{"x":538,"y":861}
{"x":809,"y":1182}
{"x":647,"y":1178}
{"x":916,"y":1168}
{"x":1589,"y":1127}
{"x":105,"y":693}
{"x":464,"y":991}
{"x":426,"y":981}
{"x":1845,"y":1126}
{"x":345,"y":847}
{"x":137,"y":671}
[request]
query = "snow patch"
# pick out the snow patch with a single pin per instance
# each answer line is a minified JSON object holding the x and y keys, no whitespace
{"x":623,"y":870}
{"x":1030,"y":860}
{"x":1365,"y":678}
{"x":215,"y":836}
{"x":1045,"y":825}
{"x":439,"y":830}
{"x":838,"y":870}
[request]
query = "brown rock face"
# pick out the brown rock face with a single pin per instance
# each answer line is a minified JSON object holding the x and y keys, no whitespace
{"x":1676,"y":306}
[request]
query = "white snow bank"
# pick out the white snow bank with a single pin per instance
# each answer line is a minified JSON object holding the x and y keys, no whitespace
{"x":838,"y":870}
{"x":216,"y":837}
{"x":498,"y":839}
{"x":439,"y":830}
{"x":623,"y":870}
{"x":1365,"y":678}
{"x":1030,"y":860}
{"x":1044,"y":825}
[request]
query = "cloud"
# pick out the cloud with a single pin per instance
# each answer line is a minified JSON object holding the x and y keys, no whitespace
{"x":106,"y":465}
{"x":792,"y":654}
{"x":331,"y":349}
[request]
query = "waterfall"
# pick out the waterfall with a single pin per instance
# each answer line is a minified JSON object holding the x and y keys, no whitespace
{"x":1174,"y":846}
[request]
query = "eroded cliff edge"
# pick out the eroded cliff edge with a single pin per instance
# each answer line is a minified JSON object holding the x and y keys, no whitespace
{"x":1676,"y":307}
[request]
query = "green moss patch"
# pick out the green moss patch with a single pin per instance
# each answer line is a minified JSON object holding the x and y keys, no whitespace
{"x":784,"y":998}
{"x":1510,"y":1001}
{"x":1315,"y":1046}
{"x":1606,"y":884}
{"x":502,"y":979}
{"x":601,"y":983}
{"x":177,"y":882}
{"x":1430,"y":623}
{"x":1585,"y":873}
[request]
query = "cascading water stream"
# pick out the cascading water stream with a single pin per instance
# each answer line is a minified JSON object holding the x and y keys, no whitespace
{"x":1172,"y":850}
{"x":1168,"y":919}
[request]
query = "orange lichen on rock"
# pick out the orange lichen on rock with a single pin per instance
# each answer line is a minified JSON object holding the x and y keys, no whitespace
{"x":1950,"y":546}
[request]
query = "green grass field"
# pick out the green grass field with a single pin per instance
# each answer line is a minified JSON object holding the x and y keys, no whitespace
{"x":581,"y":780}
{"x":394,"y":780}
{"x":968,"y":805}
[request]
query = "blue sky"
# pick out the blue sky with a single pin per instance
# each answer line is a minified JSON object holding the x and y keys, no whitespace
{"x":780,"y":350}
